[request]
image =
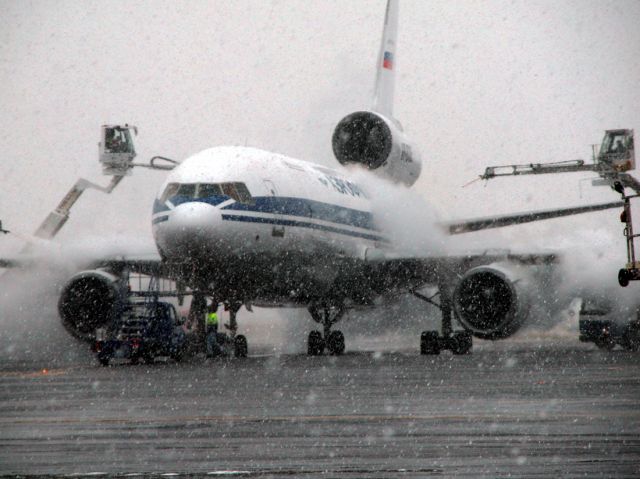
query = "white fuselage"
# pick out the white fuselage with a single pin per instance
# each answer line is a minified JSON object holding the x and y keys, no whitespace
{"x":262,"y":214}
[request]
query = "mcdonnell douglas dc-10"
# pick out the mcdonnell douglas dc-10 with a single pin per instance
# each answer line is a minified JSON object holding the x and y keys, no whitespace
{"x":243,"y":226}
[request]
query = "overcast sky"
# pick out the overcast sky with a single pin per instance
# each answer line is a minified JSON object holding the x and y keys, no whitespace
{"x":480,"y":83}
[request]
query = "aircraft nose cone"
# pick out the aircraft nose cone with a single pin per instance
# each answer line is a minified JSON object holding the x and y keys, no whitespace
{"x":191,"y":229}
{"x":195,"y":218}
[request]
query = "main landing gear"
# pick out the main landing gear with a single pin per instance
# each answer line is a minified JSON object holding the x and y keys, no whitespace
{"x":431,"y":342}
{"x":333,"y":341}
{"x":239,"y":341}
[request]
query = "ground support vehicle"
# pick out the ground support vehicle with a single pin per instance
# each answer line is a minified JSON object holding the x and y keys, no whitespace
{"x":606,"y":334}
{"x":145,"y":330}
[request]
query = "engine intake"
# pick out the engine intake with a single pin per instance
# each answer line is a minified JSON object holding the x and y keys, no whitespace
{"x":492,"y":302}
{"x":369,"y":139}
{"x":88,"y":301}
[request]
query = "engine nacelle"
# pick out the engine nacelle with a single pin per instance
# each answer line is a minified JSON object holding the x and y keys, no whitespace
{"x":493,"y":301}
{"x":369,"y":139}
{"x":91,"y":299}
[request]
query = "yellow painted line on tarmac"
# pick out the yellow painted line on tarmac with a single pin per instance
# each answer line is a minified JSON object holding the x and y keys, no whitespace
{"x":33,"y":374}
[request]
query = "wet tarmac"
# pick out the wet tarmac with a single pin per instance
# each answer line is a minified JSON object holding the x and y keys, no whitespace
{"x":517,"y":409}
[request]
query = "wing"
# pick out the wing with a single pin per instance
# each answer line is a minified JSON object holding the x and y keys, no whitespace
{"x":477,"y":224}
{"x":489,"y":293}
{"x":408,"y":274}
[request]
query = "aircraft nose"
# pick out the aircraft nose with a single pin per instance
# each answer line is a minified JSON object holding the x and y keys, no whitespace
{"x":192,"y":227}
{"x":195,"y":218}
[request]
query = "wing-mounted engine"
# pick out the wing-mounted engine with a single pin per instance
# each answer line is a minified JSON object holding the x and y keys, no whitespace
{"x":90,"y":299}
{"x":377,"y":143}
{"x":493,"y":301}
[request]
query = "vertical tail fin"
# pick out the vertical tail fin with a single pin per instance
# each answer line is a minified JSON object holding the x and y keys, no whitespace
{"x":385,"y":69}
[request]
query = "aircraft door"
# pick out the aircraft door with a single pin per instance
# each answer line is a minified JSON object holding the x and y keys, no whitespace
{"x":278,"y":228}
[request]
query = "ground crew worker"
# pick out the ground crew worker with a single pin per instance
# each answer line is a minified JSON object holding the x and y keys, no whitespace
{"x":213,"y":348}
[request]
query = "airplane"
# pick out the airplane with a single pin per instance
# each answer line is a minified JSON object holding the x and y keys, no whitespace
{"x":243,"y":226}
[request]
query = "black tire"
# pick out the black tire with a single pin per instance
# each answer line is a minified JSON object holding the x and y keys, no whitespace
{"x":315,"y":344}
{"x":429,"y":342}
{"x":135,"y":359}
{"x":177,"y":355}
{"x":104,"y":360}
{"x":461,"y":342}
{"x":148,"y":358}
{"x":631,"y":338}
{"x":623,"y":278}
{"x":605,"y":343}
{"x":240,"y":346}
{"x":335,"y":343}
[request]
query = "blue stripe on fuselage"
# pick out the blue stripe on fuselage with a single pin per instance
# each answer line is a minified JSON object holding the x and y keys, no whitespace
{"x":299,"y":207}
{"x":302,"y":224}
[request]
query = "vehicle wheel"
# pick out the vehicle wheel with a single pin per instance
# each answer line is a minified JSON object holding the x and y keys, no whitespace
{"x":240,"y":346}
{"x":148,"y":358}
{"x":176,"y":355}
{"x":605,"y":343}
{"x":135,"y":359}
{"x":335,"y":343}
{"x":315,"y":343}
{"x":461,"y":342}
{"x":104,"y":360}
{"x":623,"y":278}
{"x":632,"y":337}
{"x":429,"y":342}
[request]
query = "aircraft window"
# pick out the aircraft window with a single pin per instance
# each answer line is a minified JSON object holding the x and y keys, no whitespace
{"x":187,"y":189}
{"x":206,"y":190}
{"x":229,"y":189}
{"x":243,"y":193}
{"x":237,"y":191}
{"x":169,"y":191}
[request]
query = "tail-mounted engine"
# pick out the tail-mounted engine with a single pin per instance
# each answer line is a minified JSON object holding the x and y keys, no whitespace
{"x":370,"y":139}
{"x":492,"y":301}
{"x":91,"y":299}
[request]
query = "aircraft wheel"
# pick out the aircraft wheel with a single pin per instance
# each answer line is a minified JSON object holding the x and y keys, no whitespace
{"x":461,"y":343}
{"x":315,"y":344}
{"x":429,"y":343}
{"x":335,"y":343}
{"x":240,"y":346}
{"x":623,"y":278}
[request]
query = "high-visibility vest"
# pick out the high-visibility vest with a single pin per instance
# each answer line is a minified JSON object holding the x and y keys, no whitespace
{"x":212,"y":319}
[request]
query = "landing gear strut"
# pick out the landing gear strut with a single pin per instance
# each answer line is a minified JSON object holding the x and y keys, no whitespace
{"x":240,"y":345}
{"x":197,"y":313}
{"x":431,"y":342}
{"x":333,"y":341}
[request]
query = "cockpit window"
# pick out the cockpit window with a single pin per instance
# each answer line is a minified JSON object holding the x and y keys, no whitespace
{"x":169,"y":191}
{"x":237,"y":191}
{"x":207,"y":190}
{"x":187,"y":189}
{"x":243,"y":193}
{"x":230,"y":190}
